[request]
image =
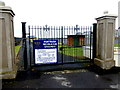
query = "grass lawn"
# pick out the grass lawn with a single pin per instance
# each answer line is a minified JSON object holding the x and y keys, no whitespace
{"x":77,"y":51}
{"x":17,"y":49}
{"x":116,"y":45}
{"x":70,"y":51}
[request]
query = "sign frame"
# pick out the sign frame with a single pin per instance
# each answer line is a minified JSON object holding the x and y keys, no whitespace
{"x":45,"y":46}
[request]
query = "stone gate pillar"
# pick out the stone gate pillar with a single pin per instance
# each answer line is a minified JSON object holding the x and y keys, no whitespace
{"x":105,"y":42}
{"x":7,"y":52}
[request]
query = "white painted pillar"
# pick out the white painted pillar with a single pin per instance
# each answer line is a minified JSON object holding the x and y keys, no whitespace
{"x":105,"y":42}
{"x":7,"y":52}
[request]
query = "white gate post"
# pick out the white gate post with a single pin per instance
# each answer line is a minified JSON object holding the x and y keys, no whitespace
{"x":7,"y":51}
{"x":105,"y":42}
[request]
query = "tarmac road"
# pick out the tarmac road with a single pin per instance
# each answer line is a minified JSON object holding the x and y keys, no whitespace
{"x":81,"y":78}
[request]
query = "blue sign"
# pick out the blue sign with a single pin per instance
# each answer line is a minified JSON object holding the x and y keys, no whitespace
{"x":45,"y":51}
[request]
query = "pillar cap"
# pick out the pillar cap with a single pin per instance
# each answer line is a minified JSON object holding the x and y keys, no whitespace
{"x":107,"y":16}
{"x":2,"y":4}
{"x":5,"y":9}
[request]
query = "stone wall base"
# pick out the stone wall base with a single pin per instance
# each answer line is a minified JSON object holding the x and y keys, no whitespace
{"x":104,"y":64}
{"x":8,"y":75}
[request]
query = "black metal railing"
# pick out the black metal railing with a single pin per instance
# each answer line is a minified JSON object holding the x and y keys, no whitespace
{"x":75,"y":43}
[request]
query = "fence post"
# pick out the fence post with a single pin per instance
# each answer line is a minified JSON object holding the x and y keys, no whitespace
{"x":94,"y":41}
{"x":24,"y":43}
{"x":62,"y":42}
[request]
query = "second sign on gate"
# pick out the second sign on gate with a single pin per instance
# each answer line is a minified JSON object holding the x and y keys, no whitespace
{"x":45,"y":51}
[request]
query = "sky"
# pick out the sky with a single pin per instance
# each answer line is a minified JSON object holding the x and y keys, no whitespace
{"x":59,"y":12}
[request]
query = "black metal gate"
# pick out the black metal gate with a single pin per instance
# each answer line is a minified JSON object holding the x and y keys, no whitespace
{"x":74,"y":43}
